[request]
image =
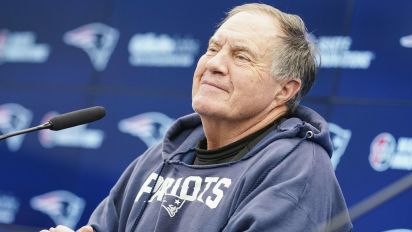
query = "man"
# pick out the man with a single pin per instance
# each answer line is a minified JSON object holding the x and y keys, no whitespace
{"x":250,"y":159}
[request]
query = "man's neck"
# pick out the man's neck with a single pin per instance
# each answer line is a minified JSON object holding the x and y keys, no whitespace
{"x":221,"y":132}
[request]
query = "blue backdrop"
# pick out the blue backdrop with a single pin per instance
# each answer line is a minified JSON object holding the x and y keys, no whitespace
{"x":136,"y":58}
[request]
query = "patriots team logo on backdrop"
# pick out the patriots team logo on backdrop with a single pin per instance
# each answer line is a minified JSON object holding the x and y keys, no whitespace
{"x":78,"y":136}
{"x":63,"y":207}
{"x":406,"y":41}
{"x":150,"y":127}
{"x":97,"y":40}
{"x":172,"y":204}
{"x":9,"y":205}
{"x":340,"y":138}
{"x":14,"y":117}
{"x":386,"y":153}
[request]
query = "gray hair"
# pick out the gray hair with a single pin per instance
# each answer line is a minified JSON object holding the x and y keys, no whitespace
{"x":294,"y":57}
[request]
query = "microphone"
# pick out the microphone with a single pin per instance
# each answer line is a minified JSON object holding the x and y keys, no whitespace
{"x":76,"y":118}
{"x":66,"y":120}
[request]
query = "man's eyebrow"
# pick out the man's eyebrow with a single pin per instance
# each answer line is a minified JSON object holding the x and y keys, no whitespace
{"x":239,"y":47}
{"x":243,"y":48}
{"x":213,"y":41}
{"x":236,"y":47}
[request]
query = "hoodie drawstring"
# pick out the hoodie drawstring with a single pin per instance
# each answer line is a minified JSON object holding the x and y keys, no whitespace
{"x":146,"y":201}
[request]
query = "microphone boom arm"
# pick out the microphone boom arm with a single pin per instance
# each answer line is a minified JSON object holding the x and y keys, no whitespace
{"x":36,"y":128}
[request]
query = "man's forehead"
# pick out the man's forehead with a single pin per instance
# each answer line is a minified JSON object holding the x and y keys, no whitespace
{"x":244,"y":27}
{"x":235,"y":43}
{"x":233,"y":40}
{"x":255,"y":22}
{"x":250,"y":43}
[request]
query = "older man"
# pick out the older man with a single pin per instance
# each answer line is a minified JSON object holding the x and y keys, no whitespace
{"x":250,"y":158}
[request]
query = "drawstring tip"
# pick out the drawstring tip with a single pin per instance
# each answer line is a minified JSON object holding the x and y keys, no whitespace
{"x":309,"y":134}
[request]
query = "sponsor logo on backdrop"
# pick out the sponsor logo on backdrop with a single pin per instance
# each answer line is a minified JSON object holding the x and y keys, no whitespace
{"x":386,"y":152}
{"x":406,"y":41}
{"x":9,"y":205}
{"x":162,"y":50}
{"x":97,"y":40}
{"x":150,"y":127}
{"x":14,"y":117}
{"x":63,"y":207}
{"x":335,"y":53}
{"x":340,"y":138}
{"x":79,"y":136}
{"x":21,"y":47}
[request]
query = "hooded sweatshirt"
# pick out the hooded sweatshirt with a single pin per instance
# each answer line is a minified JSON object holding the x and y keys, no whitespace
{"x":284,"y":183}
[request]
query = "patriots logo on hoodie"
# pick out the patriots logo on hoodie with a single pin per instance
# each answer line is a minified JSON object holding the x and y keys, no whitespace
{"x":97,"y":40}
{"x":63,"y":207}
{"x":14,"y":117}
{"x":172,"y":204}
{"x":149,"y":127}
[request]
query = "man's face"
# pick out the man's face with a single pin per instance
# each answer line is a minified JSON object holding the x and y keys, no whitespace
{"x":232,"y":80}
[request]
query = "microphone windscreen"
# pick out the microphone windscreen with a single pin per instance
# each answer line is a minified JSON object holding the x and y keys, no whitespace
{"x":77,"y":117}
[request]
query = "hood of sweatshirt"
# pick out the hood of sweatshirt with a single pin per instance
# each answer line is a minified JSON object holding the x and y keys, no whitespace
{"x":187,"y":131}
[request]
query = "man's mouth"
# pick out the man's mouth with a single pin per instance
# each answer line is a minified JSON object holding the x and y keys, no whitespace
{"x":214,"y":85}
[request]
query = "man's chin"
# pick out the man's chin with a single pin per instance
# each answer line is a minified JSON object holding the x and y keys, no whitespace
{"x":202,"y":110}
{"x":206,"y":109}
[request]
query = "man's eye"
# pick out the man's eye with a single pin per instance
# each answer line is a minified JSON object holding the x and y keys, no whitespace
{"x":242,"y":58}
{"x":212,"y":49}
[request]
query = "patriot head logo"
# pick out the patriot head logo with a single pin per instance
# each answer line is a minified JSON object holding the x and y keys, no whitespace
{"x":97,"y":40}
{"x":172,"y":204}
{"x":149,"y":127}
{"x":63,"y":207}
{"x":14,"y":117}
{"x":340,"y":138}
{"x":382,"y":149}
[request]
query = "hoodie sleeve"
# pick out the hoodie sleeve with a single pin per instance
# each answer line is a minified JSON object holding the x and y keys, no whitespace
{"x":106,"y":217}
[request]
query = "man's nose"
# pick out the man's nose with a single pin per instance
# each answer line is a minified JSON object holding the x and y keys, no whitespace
{"x":218,"y":63}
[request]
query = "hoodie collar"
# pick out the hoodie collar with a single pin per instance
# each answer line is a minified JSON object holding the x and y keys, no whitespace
{"x":187,"y":131}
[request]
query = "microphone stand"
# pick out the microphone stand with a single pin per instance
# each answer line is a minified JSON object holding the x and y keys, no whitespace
{"x":36,"y":128}
{"x":369,"y":203}
{"x":66,"y":120}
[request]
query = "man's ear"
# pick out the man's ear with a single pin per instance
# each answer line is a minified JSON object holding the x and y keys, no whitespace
{"x":289,"y":90}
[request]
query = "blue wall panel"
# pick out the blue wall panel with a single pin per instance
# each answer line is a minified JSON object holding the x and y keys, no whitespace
{"x":136,"y":58}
